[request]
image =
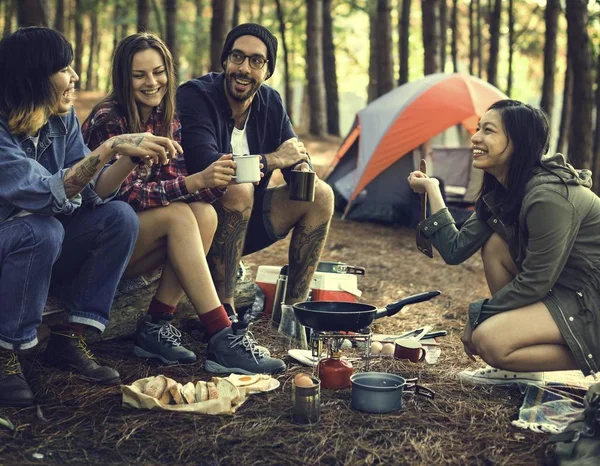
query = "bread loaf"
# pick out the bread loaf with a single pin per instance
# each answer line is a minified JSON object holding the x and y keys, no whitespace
{"x":156,"y":387}
{"x":188,"y":392}
{"x":201,"y":391}
{"x":212,"y":391}
{"x":226,"y":389}
{"x":176,"y":393}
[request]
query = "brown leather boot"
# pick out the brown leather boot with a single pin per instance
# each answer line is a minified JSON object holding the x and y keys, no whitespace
{"x":68,"y":350}
{"x":14,"y":389}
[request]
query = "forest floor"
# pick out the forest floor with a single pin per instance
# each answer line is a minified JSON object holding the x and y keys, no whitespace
{"x":463,"y":425}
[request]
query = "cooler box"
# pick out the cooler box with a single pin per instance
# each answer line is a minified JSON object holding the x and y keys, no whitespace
{"x":324,"y":286}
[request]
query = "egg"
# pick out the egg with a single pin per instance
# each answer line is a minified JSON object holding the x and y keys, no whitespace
{"x":388,"y":349}
{"x":376,"y":347}
{"x":303,"y":380}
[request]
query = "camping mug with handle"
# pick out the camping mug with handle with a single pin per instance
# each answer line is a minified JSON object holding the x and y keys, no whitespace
{"x":247,"y":168}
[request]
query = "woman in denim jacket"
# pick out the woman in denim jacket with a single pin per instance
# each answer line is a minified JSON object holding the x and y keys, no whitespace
{"x":537,"y":224}
{"x":56,"y":229}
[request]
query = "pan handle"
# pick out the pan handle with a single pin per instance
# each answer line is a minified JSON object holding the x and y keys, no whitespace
{"x":393,"y":308}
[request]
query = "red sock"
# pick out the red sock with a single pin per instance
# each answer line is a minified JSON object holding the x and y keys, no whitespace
{"x":215,"y":320}
{"x":159,"y":309}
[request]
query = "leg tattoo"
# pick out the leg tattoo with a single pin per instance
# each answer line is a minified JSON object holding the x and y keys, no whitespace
{"x":226,"y":250}
{"x":305,"y":250}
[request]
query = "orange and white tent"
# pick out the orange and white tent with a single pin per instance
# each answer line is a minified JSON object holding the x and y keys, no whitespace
{"x":406,"y":117}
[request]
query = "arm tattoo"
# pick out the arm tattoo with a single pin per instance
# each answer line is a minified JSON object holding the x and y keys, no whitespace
{"x":78,"y":176}
{"x":226,"y":250}
{"x":127,"y":139}
{"x":305,"y":251}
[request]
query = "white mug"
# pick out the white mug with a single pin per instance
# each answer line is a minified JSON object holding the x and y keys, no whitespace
{"x":247,"y":168}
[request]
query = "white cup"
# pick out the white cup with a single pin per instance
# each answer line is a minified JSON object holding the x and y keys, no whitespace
{"x":247,"y":168}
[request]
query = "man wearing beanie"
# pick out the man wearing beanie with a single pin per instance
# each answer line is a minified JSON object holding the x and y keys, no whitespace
{"x":234,"y":112}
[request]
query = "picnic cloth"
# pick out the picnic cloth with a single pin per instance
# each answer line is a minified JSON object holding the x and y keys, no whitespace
{"x":550,"y":408}
{"x":133,"y":397}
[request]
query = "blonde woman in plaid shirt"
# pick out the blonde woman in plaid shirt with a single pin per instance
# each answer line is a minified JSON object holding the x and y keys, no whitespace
{"x":177,"y":221}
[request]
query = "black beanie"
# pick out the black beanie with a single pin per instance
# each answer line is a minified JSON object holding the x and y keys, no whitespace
{"x":256,"y":30}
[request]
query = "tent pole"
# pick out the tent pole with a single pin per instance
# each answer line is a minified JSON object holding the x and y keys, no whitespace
{"x":346,"y":209}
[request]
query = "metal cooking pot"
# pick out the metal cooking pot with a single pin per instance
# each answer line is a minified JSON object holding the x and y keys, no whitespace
{"x":341,"y":316}
{"x":380,"y":392}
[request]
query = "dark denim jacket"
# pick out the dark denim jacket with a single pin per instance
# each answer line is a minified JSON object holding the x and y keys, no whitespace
{"x":207,"y":123}
{"x":34,"y":181}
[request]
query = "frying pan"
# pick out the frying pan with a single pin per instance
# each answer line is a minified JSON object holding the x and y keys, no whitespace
{"x":340,"y":316}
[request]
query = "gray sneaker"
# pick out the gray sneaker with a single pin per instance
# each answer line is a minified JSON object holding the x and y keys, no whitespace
{"x":160,"y":341}
{"x":233,"y":349}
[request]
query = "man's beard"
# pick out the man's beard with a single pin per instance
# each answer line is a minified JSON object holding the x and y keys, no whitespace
{"x":230,"y":87}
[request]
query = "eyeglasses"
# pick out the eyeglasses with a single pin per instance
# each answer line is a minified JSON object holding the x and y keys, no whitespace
{"x":256,"y":61}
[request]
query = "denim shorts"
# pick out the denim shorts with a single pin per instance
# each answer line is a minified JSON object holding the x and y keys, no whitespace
{"x":260,"y":233}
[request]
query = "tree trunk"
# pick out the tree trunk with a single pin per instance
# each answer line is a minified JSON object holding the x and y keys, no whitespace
{"x":32,"y":13}
{"x":580,"y":134}
{"x":373,"y":85}
{"x":495,"y":19}
{"x":403,"y":37}
{"x":384,"y":42}
{"x":454,"y":27}
{"x":219,"y":27}
{"x":443,"y":33}
{"x":143,"y":15}
{"x":314,"y":67}
{"x":431,"y":35}
{"x":261,"y":8}
{"x":511,"y":46}
{"x":78,"y":39}
{"x":551,"y":18}
{"x":8,"y":16}
{"x":235,"y":20}
{"x":59,"y":18}
{"x":286,"y":59}
{"x":329,"y":72}
{"x":596,"y":150}
{"x":91,"y":65}
{"x":157,"y":15}
{"x":565,"y":114}
{"x":472,"y":37}
{"x":197,"y":58}
{"x":171,"y":30}
{"x":478,"y":32}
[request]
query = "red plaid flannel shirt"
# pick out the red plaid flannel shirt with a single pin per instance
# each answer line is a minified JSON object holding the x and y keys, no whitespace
{"x":146,"y":188}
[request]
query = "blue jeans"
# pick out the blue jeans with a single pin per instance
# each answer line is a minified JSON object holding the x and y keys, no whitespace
{"x":80,"y":257}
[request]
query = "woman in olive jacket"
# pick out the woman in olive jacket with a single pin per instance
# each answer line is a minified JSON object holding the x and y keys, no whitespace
{"x":537,"y":224}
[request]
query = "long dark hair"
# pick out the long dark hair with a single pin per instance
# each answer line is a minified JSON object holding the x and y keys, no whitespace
{"x":28,"y":58}
{"x":528,"y":130}
{"x":122,"y":89}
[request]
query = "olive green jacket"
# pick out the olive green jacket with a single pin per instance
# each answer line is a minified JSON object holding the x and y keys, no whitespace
{"x":555,"y":245}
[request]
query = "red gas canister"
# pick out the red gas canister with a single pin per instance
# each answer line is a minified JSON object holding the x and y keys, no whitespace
{"x":335,"y":372}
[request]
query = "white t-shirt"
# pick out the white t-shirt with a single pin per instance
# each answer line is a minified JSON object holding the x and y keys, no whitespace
{"x":239,"y":140}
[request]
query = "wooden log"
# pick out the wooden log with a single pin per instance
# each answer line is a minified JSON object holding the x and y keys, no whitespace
{"x":133,"y":300}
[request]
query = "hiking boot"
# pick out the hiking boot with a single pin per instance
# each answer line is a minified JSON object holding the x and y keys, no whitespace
{"x":492,"y":376}
{"x":160,"y":340}
{"x":14,"y":389}
{"x":233,"y":349}
{"x":69,"y":351}
{"x":262,"y":349}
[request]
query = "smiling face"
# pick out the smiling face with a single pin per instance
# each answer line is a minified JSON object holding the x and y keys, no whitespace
{"x":492,"y":148}
{"x":242,"y":81}
{"x":64,"y":82}
{"x":148,"y":80}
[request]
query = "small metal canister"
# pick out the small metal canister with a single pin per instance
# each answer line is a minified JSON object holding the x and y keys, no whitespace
{"x":306,"y":403}
{"x":279,"y":298}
